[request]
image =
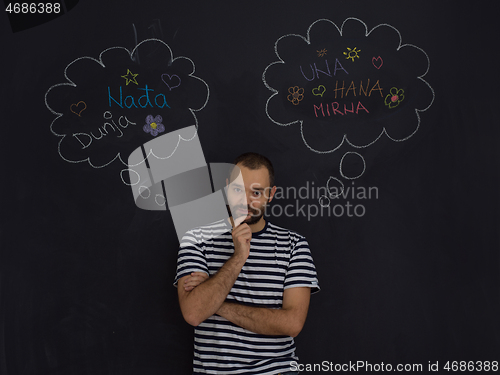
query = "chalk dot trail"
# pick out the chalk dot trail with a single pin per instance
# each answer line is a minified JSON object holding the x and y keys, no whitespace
{"x":356,"y":82}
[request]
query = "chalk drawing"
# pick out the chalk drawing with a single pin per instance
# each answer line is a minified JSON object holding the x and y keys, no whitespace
{"x":356,"y":104}
{"x":78,"y":108}
{"x":322,"y":52}
{"x":130,"y":77}
{"x":153,"y":125}
{"x":167,"y":80}
{"x":119,"y":108}
{"x":296,"y":95}
{"x":377,"y":62}
{"x":352,"y":53}
{"x":394,"y":97}
{"x":319,"y":91}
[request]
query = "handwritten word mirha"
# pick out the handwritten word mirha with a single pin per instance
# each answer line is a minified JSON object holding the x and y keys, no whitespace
{"x":104,"y":130}
{"x":336,"y":111}
{"x":143,"y":100}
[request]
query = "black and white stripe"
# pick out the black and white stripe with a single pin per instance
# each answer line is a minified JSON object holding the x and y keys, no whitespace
{"x":279,"y":259}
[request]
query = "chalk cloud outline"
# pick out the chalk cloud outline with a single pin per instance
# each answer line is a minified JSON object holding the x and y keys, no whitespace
{"x":345,"y":139}
{"x":118,"y":155}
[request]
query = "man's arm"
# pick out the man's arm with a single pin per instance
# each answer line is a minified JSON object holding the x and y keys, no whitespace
{"x":288,"y":320}
{"x":203,"y":301}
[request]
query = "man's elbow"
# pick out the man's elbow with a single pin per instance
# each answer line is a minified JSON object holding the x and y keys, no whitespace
{"x":194,"y":322}
{"x":295,"y":329}
{"x":191,"y":312}
{"x":192,"y":319}
{"x":294,"y":332}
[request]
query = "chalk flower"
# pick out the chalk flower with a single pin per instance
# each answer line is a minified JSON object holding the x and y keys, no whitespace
{"x":153,"y":125}
{"x":296,"y":94}
{"x":394,"y":98}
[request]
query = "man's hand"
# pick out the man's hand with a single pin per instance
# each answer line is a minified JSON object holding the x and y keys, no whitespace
{"x":200,"y":297}
{"x":242,"y":235}
{"x":195,"y":279}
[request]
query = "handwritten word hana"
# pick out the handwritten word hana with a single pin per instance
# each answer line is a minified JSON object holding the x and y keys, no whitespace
{"x":363,"y":90}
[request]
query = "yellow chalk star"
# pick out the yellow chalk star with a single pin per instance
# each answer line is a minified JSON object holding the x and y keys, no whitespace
{"x":130,"y":77}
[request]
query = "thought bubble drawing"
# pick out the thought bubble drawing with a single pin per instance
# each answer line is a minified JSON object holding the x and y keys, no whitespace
{"x":114,"y":104}
{"x":193,"y":190}
{"x":359,"y":85}
{"x":144,"y":110}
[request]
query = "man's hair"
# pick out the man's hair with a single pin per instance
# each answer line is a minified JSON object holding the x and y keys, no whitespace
{"x":253,"y":161}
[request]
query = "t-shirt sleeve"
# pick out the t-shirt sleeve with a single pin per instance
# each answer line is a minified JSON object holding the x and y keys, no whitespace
{"x":301,"y":271}
{"x":191,"y":257}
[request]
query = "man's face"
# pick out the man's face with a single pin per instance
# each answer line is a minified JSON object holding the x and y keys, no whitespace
{"x":248,"y":195}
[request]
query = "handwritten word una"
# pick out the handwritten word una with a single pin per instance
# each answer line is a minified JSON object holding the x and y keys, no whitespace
{"x":315,"y":71}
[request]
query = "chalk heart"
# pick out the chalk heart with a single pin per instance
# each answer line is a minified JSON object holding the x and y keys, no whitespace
{"x":78,"y":108}
{"x":319,"y":91}
{"x":377,"y":62}
{"x":172,"y":81}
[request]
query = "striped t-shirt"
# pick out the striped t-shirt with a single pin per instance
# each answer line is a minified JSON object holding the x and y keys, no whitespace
{"x":279,"y":259}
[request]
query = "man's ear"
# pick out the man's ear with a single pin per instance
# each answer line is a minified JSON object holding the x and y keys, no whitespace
{"x":271,"y":193}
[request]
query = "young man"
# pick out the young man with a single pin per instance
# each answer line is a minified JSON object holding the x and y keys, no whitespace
{"x":245,"y":284}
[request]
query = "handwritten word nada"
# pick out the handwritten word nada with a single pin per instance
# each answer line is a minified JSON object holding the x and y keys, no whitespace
{"x":143,"y":101}
{"x":104,"y":130}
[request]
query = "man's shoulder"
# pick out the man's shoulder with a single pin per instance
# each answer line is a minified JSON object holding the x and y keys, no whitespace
{"x":208,"y":231}
{"x":279,"y":231}
{"x":215,"y":226}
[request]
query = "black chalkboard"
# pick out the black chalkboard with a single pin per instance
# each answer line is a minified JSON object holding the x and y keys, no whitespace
{"x":380,"y":120}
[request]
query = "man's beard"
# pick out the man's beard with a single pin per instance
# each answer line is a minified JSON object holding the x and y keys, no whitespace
{"x":255,"y":214}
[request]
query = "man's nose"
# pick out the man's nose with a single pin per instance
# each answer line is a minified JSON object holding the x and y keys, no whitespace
{"x":243,"y":199}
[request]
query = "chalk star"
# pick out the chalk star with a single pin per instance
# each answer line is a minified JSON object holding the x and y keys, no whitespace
{"x":322,"y":52}
{"x":130,"y":77}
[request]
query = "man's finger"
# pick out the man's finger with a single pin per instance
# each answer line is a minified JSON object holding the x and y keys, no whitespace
{"x":194,"y":280}
{"x":199,"y":273}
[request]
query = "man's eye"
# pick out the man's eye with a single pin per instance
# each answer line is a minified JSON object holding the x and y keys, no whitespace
{"x":256,"y":193}
{"x":237,"y":190}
